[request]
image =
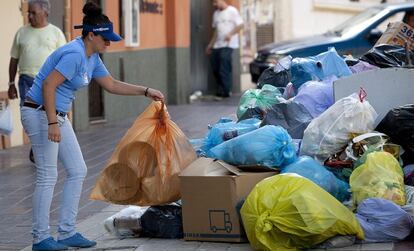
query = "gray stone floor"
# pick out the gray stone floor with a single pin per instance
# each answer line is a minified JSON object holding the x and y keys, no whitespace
{"x":17,"y":177}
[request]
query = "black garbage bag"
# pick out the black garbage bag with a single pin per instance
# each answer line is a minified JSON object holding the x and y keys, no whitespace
{"x":386,"y":55}
{"x":277,"y":79}
{"x":163,"y":222}
{"x":351,"y":61}
{"x":278,"y":75}
{"x":398,"y":124}
{"x":253,"y":112}
{"x":292,"y":116}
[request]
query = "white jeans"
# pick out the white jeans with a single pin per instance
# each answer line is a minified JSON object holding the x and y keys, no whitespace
{"x":46,"y":154}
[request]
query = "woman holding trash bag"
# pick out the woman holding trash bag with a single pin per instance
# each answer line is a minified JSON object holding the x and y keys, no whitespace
{"x":69,"y":68}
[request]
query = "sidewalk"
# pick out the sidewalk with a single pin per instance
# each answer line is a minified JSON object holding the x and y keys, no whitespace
{"x":17,"y":177}
{"x":17,"y":174}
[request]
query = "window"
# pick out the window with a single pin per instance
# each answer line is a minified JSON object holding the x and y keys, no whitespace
{"x":130,"y":16}
{"x":394,"y":18}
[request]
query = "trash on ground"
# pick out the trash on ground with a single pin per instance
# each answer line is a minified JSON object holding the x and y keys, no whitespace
{"x":268,"y":146}
{"x":330,"y":133}
{"x":380,"y":176}
{"x":125,"y":223}
{"x":386,"y":56}
{"x":316,"y":96}
{"x":398,"y":124}
{"x":383,"y":221}
{"x":278,"y":75}
{"x":398,"y":33}
{"x":211,"y":193}
{"x":144,"y":167}
{"x":263,"y":98}
{"x":163,"y":221}
{"x":318,"y":68}
{"x":288,"y":211}
{"x":309,"y":168}
{"x":292,"y":116}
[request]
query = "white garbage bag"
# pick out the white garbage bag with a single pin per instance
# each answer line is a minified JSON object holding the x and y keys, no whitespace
{"x":331,"y":131}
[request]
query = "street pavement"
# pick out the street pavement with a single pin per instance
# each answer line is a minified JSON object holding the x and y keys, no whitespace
{"x":17,"y":176}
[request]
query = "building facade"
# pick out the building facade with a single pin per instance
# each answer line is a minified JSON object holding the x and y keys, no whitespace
{"x":163,"y":48}
{"x":10,"y":14}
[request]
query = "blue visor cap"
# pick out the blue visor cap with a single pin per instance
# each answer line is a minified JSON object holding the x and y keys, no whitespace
{"x":105,"y":30}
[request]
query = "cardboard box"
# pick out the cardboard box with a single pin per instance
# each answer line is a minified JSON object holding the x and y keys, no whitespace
{"x":211,"y":191}
{"x":398,"y":33}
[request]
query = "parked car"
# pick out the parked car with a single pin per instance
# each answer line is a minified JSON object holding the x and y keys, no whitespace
{"x":355,"y":36}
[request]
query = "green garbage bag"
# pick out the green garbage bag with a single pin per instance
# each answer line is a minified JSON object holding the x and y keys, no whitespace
{"x":289,"y":212}
{"x":263,"y":98}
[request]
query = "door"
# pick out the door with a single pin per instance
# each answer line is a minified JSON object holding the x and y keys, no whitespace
{"x":95,"y":94}
{"x":57,"y":14}
{"x":201,"y":15}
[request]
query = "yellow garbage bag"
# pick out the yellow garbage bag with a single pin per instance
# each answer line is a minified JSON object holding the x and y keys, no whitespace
{"x":381,"y":176}
{"x":289,"y":212}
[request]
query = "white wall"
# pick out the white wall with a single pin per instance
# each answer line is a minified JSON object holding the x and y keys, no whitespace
{"x":11,"y":18}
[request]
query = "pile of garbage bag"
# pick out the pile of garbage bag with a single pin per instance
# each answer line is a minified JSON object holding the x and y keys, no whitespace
{"x":338,"y":175}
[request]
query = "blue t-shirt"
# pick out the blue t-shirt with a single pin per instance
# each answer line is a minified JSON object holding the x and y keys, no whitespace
{"x":71,"y":61}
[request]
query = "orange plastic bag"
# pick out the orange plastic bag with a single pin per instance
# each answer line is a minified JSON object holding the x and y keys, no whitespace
{"x":144,"y":167}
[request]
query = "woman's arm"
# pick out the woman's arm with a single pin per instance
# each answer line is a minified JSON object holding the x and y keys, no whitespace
{"x":49,"y":89}
{"x":121,"y":88}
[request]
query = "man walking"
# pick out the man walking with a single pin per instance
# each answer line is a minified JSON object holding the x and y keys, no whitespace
{"x":227,"y":24}
{"x":32,"y":44}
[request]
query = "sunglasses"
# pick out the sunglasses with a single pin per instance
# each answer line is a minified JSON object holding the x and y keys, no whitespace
{"x":104,"y":39}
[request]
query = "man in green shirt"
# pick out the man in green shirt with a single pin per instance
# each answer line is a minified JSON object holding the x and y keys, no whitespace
{"x":32,"y":44}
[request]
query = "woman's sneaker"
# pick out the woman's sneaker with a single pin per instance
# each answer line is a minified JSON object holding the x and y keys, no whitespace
{"x":77,"y":241}
{"x":49,"y":244}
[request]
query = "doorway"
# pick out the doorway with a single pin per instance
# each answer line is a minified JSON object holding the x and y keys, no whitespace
{"x":201,"y":15}
{"x":95,"y":94}
{"x":57,"y":14}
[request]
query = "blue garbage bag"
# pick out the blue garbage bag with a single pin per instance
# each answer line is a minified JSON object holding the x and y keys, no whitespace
{"x":198,"y":145}
{"x":383,"y":220}
{"x":221,"y":132}
{"x":318,"y":67}
{"x":304,"y":70}
{"x":269,"y":146}
{"x":316,"y":96}
{"x":309,"y":168}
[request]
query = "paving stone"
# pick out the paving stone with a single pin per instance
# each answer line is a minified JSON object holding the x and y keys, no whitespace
{"x":240,"y":247}
{"x":210,"y":246}
{"x":389,"y":246}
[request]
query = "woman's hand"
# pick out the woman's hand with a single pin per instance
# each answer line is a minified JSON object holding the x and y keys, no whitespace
{"x":54,"y":133}
{"x":155,"y":95}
